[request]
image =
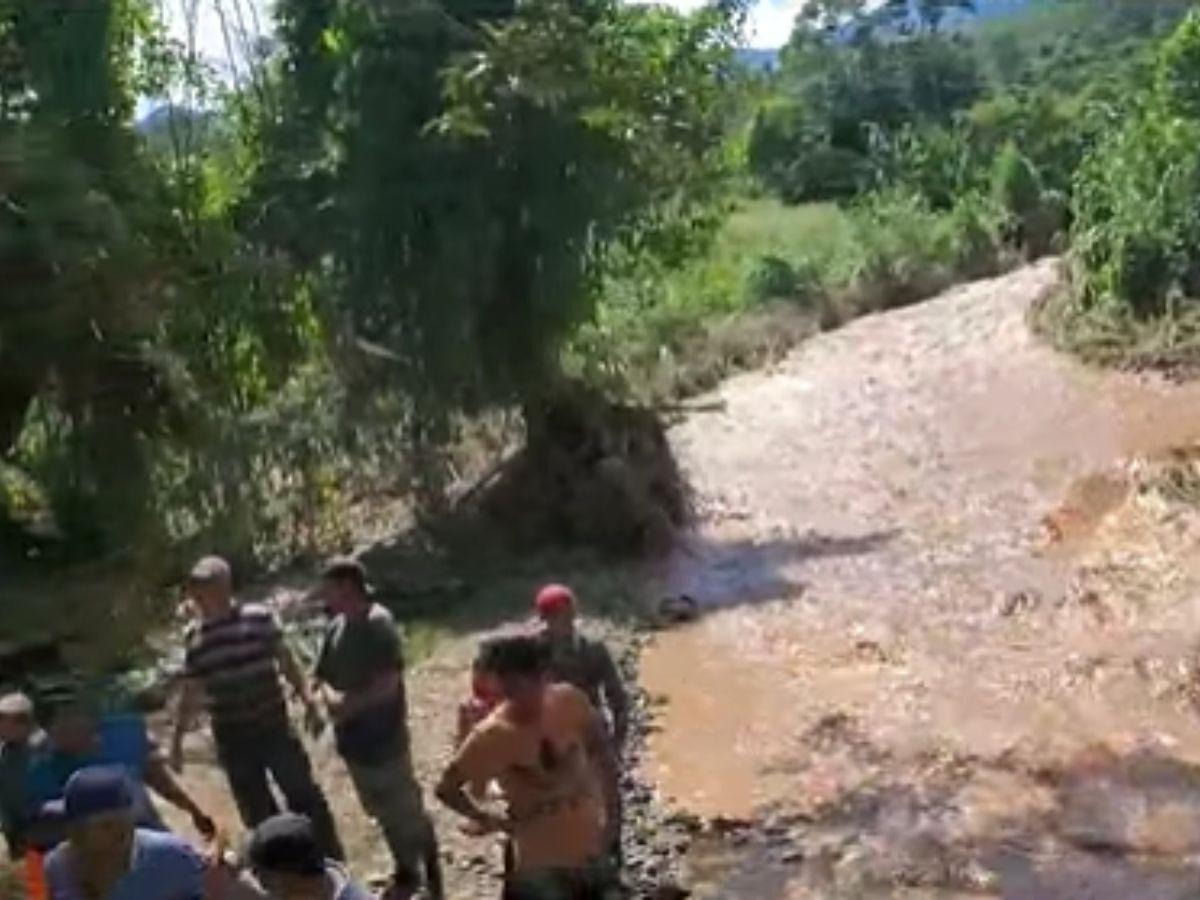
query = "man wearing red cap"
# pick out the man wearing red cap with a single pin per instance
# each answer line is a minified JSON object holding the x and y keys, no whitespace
{"x":579,"y":660}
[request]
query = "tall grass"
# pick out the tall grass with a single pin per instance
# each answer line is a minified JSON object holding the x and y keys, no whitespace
{"x":775,"y":275}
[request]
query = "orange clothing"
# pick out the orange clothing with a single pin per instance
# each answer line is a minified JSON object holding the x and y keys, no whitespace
{"x":553,"y":796}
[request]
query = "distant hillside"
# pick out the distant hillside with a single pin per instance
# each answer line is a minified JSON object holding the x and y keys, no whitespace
{"x":759,"y":59}
{"x":170,"y":127}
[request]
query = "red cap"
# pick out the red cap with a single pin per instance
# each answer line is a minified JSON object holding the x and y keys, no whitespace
{"x":554,"y":598}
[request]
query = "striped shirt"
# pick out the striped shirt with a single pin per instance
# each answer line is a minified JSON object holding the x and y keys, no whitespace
{"x":235,"y":658}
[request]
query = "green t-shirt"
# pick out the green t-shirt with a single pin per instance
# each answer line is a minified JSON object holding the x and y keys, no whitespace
{"x":354,"y":653}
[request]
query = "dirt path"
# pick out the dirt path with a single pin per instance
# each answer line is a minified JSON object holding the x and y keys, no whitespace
{"x":946,"y":640}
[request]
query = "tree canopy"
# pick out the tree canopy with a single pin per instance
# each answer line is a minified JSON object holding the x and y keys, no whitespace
{"x":400,"y":215}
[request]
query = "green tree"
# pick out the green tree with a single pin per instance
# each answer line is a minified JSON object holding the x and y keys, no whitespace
{"x":1178,"y":70}
{"x":459,"y":226}
{"x":1137,"y":230}
{"x":840,"y":105}
{"x":86,"y":248}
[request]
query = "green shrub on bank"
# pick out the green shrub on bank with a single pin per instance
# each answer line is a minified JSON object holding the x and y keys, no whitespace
{"x":1136,"y":241}
{"x":772,"y":277}
{"x":906,"y":250}
{"x":776,"y":274}
{"x":1178,"y":71}
{"x":1136,"y":237}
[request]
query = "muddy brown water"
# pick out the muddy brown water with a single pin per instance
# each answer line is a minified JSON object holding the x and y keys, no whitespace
{"x":904,"y":655}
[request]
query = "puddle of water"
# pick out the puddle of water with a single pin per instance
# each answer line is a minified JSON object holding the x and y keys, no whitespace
{"x":921,"y":466}
{"x":732,"y":751}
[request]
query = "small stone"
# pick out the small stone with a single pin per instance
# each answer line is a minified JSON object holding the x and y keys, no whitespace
{"x":1017,"y":601}
{"x":727,"y":824}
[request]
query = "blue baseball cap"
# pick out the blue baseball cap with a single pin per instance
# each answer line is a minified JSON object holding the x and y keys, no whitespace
{"x":96,"y":791}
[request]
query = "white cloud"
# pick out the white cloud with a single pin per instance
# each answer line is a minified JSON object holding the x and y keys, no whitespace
{"x":770,"y":23}
{"x":218,"y":29}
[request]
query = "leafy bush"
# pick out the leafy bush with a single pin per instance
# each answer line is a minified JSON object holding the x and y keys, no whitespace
{"x":1178,"y":71}
{"x":1016,"y":185}
{"x":1136,"y":235}
{"x":905,"y":250}
{"x":937,"y":163}
{"x":793,"y":157}
{"x":973,"y":235}
{"x":770,"y":278}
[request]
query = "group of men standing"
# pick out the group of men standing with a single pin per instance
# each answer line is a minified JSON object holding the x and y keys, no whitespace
{"x":541,"y":742}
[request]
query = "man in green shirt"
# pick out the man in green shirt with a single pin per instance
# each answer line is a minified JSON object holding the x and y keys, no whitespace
{"x":360,"y":676}
{"x":580,"y":660}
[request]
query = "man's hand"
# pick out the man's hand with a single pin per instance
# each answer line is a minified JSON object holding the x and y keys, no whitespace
{"x":336,"y":704}
{"x":483,"y":825}
{"x":314,"y":720}
{"x":204,"y":824}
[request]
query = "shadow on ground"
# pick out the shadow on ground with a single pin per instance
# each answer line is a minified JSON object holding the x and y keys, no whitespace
{"x":749,"y":572}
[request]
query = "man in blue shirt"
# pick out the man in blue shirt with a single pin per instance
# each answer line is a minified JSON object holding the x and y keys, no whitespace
{"x":78,"y":738}
{"x":106,"y":856}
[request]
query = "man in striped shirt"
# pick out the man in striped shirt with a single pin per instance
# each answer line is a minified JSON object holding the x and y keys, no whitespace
{"x":235,"y":654}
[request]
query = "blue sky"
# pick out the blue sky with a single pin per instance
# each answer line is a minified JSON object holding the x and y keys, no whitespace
{"x":769,"y":26}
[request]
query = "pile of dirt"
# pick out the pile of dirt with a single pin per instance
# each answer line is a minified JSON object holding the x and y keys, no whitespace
{"x":592,"y":473}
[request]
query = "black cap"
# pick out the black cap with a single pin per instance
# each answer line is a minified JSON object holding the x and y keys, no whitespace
{"x":286,"y":844}
{"x":346,"y":568}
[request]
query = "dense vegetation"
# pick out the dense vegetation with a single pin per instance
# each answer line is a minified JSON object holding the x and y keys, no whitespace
{"x":952,"y":139}
{"x":395,"y":224}
{"x":224,"y":331}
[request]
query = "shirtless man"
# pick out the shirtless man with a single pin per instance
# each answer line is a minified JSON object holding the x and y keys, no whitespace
{"x":547,"y":748}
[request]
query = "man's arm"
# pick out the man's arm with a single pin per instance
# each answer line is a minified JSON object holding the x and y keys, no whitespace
{"x":185,"y":715}
{"x":478,"y":760}
{"x":294,"y":673}
{"x":348,"y":704}
{"x":600,"y":751}
{"x":452,"y":791}
{"x":161,"y":780}
{"x":615,"y":696}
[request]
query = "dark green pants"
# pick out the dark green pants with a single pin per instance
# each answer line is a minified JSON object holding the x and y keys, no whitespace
{"x":598,"y":881}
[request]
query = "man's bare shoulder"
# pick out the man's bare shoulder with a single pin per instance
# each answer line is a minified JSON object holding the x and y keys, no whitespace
{"x":563,"y":696}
